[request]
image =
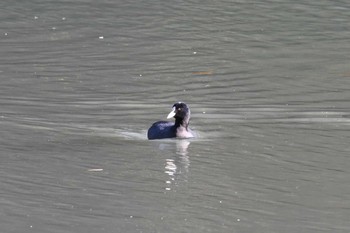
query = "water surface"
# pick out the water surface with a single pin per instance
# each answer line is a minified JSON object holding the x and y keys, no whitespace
{"x":268,"y":87}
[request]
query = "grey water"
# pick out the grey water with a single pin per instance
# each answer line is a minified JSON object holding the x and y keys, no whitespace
{"x":268,"y":84}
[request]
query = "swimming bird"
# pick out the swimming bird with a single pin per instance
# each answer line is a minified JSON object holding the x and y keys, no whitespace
{"x":179,"y":128}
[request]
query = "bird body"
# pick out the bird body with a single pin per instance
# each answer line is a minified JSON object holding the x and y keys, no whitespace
{"x":179,"y":128}
{"x":162,"y":129}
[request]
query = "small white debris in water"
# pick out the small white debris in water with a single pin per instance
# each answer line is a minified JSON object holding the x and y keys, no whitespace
{"x":194,"y":52}
{"x":131,"y":216}
{"x":36,"y":17}
{"x":140,"y":75}
{"x":53,"y":28}
{"x":100,"y":37}
{"x":238,"y":220}
{"x":6,"y":34}
{"x":167,"y":189}
{"x":95,"y":170}
{"x":203,"y":112}
{"x":63,"y":18}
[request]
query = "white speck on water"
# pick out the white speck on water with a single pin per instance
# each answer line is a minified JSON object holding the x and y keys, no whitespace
{"x":95,"y":169}
{"x":101,"y":37}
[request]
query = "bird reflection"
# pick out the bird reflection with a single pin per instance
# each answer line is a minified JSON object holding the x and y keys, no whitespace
{"x":177,"y":167}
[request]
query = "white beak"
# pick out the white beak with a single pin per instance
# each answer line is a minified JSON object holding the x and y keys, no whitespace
{"x":172,"y":113}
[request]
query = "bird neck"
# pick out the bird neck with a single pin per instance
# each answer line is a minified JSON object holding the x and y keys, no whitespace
{"x":182,"y":122}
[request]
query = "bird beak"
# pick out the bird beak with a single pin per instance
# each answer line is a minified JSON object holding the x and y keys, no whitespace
{"x":172,"y":113}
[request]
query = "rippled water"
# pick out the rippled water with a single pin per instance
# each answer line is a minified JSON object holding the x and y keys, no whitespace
{"x":268,"y":87}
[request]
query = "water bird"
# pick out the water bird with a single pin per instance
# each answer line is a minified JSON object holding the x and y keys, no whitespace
{"x":178,"y":129}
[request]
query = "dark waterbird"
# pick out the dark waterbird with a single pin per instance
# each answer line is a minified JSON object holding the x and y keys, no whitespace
{"x":179,"y":128}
